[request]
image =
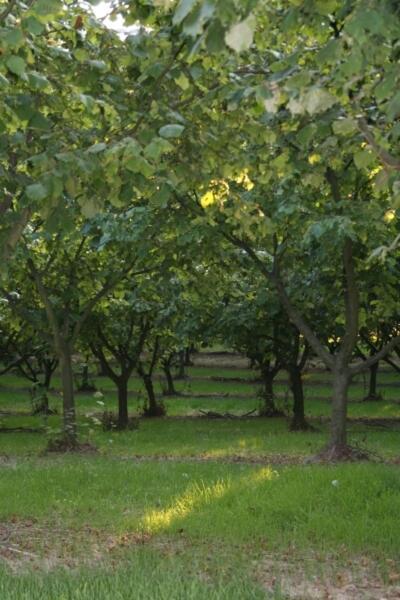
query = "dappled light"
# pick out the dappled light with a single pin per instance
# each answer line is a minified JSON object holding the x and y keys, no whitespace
{"x":198,"y":495}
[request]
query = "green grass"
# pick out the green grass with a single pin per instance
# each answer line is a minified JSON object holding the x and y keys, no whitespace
{"x":213,"y":439}
{"x":218,"y":502}
{"x":204,"y":495}
{"x":144,"y":575}
{"x":200,"y":524}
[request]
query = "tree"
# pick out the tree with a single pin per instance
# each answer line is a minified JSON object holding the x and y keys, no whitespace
{"x":252,"y":321}
{"x":55,"y":65}
{"x":117,"y":337}
{"x":72,"y":271}
{"x":300,"y":100}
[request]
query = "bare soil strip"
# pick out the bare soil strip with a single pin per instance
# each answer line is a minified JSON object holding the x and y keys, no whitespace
{"x":26,"y":544}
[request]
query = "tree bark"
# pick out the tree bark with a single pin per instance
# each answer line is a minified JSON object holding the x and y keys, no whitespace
{"x":268,"y":409}
{"x":48,"y":373}
{"x":372,"y":392}
{"x":67,"y":381}
{"x":298,"y":422}
{"x":85,"y":385}
{"x":101,"y":370}
{"x":154,"y":409}
{"x":338,"y":440}
{"x":188,"y":360}
{"x":123,"y":418}
{"x":170,"y":391}
{"x":181,"y":365}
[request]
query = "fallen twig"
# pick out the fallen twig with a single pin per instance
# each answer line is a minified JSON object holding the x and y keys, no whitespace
{"x":216,"y":415}
{"x":17,"y":551}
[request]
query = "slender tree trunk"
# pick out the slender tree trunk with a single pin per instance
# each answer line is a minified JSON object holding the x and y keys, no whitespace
{"x":338,"y":441}
{"x":84,"y":384}
{"x":170,"y":391}
{"x":268,"y":409}
{"x":101,"y":370}
{"x":154,"y":409}
{"x":40,"y":400}
{"x":181,"y":367}
{"x":67,"y":380}
{"x":122,"y":403}
{"x":188,"y":360}
{"x":373,"y":373}
{"x":298,"y":422}
{"x":48,"y":374}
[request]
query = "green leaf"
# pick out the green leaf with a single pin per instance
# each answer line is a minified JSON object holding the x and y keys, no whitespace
{"x":240,"y":36}
{"x":38,"y":121}
{"x":16,"y":65}
{"x":307,"y":133}
{"x":36,"y":191}
{"x":182,"y":81}
{"x":161,"y":197}
{"x":90,"y":207}
{"x":96,"y":148}
{"x":99,"y":65}
{"x":13,"y":38}
{"x":183,"y":9}
{"x":47,"y":8}
{"x":385,"y":87}
{"x":215,"y":37}
{"x":353,"y":63}
{"x":3,"y":81}
{"x":138,"y":164}
{"x":171,"y":131}
{"x":32,"y":25}
{"x":87,"y":101}
{"x":37,"y":81}
{"x":344,"y":126}
{"x":371,"y":20}
{"x":326,"y":7}
{"x":364,"y":159}
{"x":193,"y":25}
{"x":156,"y":148}
{"x":318,"y":100}
{"x":81,"y":54}
{"x":132,"y":150}
{"x":393,"y":107}
{"x":330,"y":52}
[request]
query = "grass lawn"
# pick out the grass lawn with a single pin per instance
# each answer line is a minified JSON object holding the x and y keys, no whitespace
{"x":189,"y":507}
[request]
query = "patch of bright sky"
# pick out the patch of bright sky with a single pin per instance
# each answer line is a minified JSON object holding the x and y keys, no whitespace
{"x":103,"y":9}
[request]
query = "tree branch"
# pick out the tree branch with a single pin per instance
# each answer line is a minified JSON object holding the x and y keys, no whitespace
{"x":387,"y":159}
{"x":372,"y":360}
{"x":295,"y":316}
{"x":54,"y":324}
{"x":351,"y":294}
{"x":7,"y":10}
{"x":107,"y":287}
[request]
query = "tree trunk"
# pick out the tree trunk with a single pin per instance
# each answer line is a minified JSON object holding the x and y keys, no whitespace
{"x":188,"y":360}
{"x":48,"y":373}
{"x":181,"y":367}
{"x":40,"y":400}
{"x":170,"y":391}
{"x":154,"y":409}
{"x":298,"y":422}
{"x":67,"y":380}
{"x":122,"y":403}
{"x":372,"y":393}
{"x":85,"y":385}
{"x":44,"y":405}
{"x":268,"y":409}
{"x":101,"y":370}
{"x":338,"y":442}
